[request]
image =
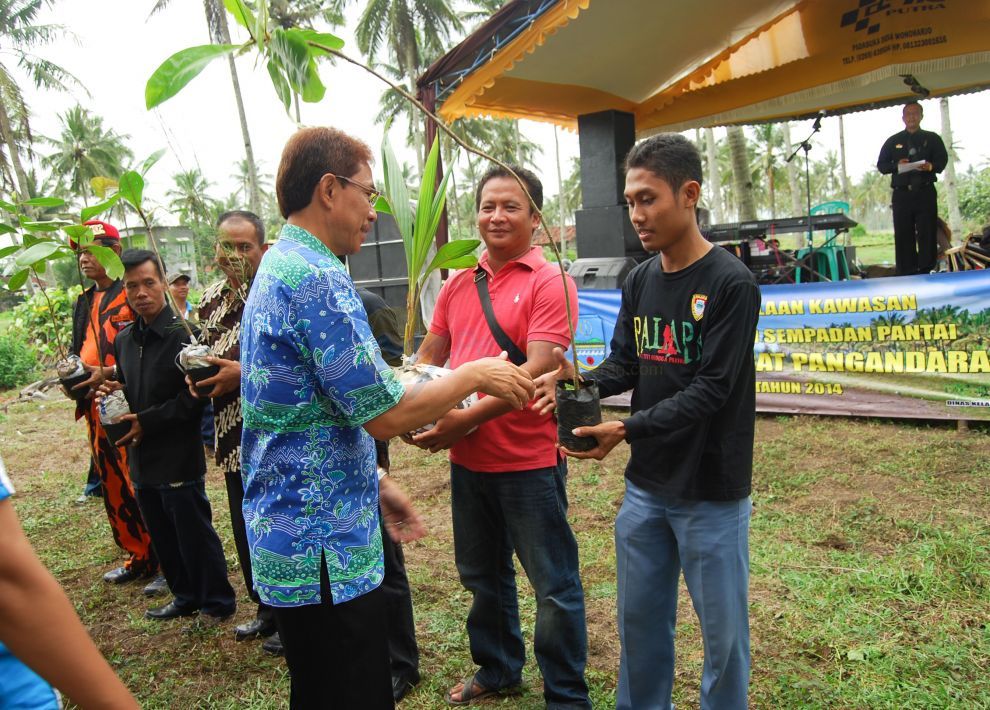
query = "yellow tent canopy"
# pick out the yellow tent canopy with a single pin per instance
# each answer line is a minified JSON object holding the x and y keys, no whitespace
{"x":679,"y":64}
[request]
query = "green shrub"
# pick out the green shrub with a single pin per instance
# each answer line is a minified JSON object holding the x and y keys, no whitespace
{"x":18,"y":365}
{"x":33,"y":322}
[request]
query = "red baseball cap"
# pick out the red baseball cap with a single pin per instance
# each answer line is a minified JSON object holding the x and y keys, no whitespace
{"x":103,"y":232}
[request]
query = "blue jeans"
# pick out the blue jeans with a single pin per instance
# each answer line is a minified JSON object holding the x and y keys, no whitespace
{"x":655,"y":538}
{"x":525,"y":511}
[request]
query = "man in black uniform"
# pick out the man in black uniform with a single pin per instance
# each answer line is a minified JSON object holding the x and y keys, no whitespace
{"x":912,"y":158}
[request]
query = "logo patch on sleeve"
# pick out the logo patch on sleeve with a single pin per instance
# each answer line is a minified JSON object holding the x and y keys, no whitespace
{"x":698,"y":302}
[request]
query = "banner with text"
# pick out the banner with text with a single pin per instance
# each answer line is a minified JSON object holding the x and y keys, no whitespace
{"x":906,"y":347}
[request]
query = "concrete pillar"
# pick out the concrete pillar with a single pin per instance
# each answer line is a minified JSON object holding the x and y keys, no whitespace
{"x":602,"y":225}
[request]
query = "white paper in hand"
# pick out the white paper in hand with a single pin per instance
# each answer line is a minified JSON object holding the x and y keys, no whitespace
{"x":909,"y":167}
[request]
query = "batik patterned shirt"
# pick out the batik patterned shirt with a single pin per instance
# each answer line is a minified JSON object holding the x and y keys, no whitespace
{"x":220,"y":319}
{"x":311,"y":376}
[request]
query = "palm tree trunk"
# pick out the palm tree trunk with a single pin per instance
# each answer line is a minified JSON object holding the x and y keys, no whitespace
{"x":951,"y":186}
{"x":714,"y":178}
{"x":792,"y":175}
{"x":19,"y":174}
{"x":742,"y":183}
{"x":254,"y":196}
{"x":12,"y":150}
{"x":843,"y":174}
{"x":561,"y":222}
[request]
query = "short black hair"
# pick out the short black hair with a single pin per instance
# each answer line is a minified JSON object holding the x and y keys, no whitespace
{"x":670,"y":156}
{"x":245,"y":216}
{"x":913,"y":103}
{"x":310,"y":154}
{"x":532,"y":183}
{"x":135,"y":257}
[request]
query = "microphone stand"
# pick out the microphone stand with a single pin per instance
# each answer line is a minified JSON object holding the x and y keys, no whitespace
{"x":805,"y":145}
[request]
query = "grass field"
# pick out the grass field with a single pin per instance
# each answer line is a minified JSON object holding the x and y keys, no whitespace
{"x":874,"y":248}
{"x":870,"y":584}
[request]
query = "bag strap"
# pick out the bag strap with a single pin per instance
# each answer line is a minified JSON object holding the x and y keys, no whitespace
{"x":516,"y":356}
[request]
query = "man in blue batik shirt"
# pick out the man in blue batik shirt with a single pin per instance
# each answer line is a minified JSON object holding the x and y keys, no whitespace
{"x":315,"y":390}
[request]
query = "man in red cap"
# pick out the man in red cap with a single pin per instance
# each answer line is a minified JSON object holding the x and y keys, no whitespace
{"x":100,"y":312}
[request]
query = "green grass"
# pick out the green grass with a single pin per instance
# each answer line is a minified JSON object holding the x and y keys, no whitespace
{"x":870,"y":588}
{"x":874,"y":248}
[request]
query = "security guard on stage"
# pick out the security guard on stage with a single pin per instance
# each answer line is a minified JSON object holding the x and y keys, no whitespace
{"x":912,"y":158}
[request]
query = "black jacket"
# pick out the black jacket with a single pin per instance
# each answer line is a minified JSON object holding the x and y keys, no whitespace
{"x":171,"y":449}
{"x":920,"y":145}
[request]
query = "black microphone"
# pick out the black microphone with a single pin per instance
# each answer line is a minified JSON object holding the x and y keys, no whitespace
{"x":818,"y":120}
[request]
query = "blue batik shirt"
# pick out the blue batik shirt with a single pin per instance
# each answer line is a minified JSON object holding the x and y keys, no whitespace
{"x":311,"y":376}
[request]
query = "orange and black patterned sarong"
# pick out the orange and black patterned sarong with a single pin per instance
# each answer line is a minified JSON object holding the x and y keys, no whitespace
{"x":126,"y":523}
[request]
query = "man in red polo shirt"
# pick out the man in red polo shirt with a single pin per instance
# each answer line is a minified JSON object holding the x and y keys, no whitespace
{"x":507,"y":479}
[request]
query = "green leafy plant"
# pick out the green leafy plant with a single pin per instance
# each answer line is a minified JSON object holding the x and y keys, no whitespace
{"x":43,"y":322}
{"x":17,"y":362}
{"x":291,"y":57}
{"x":418,"y":228}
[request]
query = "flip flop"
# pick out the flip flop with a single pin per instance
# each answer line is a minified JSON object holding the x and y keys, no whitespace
{"x":468,"y":694}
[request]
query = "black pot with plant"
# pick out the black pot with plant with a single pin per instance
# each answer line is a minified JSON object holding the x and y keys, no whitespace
{"x":71,"y":372}
{"x":192,"y":361}
{"x":577,"y":407}
{"x":112,"y":407}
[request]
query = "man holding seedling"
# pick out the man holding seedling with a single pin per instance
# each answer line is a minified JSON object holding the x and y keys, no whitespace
{"x":683,"y":343}
{"x":240,"y":246}
{"x":166,"y":458}
{"x":99,"y":314}
{"x":507,"y":478}
{"x":315,"y":390}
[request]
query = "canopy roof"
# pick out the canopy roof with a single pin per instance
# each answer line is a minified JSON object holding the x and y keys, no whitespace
{"x":679,"y":64}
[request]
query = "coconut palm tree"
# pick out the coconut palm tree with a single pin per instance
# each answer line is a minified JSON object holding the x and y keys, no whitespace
{"x":20,"y":34}
{"x":951,"y":186}
{"x":242,"y":174}
{"x":189,"y":197}
{"x":742,"y":179}
{"x":414,"y":31}
{"x":84,"y":150}
{"x":216,"y":22}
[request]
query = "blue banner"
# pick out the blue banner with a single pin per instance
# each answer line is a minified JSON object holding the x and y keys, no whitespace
{"x":906,"y":347}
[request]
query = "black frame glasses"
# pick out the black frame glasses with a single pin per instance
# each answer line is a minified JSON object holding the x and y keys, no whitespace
{"x":369,"y":190}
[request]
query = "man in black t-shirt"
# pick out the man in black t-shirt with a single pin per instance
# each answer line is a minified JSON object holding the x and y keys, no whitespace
{"x":684,"y":343}
{"x":912,"y":157}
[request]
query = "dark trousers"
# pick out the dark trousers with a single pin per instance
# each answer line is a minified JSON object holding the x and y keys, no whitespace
{"x":402,"y":649}
{"x":235,"y":498}
{"x":337,"y":653}
{"x":495,"y":514}
{"x":915,"y":225}
{"x":189,"y":551}
{"x":94,"y":487}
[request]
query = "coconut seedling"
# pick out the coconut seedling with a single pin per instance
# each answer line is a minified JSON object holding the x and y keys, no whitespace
{"x":418,"y":228}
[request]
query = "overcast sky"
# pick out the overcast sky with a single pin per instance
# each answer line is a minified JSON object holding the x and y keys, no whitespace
{"x":117,"y":46}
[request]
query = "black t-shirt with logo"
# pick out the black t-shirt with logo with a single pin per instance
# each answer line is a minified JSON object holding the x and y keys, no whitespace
{"x":684,"y":343}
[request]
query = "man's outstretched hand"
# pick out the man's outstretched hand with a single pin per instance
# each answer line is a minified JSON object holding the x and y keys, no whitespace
{"x":546,"y":384}
{"x":498,"y":377}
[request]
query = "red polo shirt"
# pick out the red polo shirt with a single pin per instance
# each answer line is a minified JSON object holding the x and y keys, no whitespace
{"x":528,"y":300}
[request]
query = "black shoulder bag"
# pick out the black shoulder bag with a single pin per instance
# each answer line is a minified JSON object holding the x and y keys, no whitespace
{"x":516,"y":356}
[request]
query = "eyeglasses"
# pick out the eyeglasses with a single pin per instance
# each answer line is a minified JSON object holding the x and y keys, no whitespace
{"x":369,"y":190}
